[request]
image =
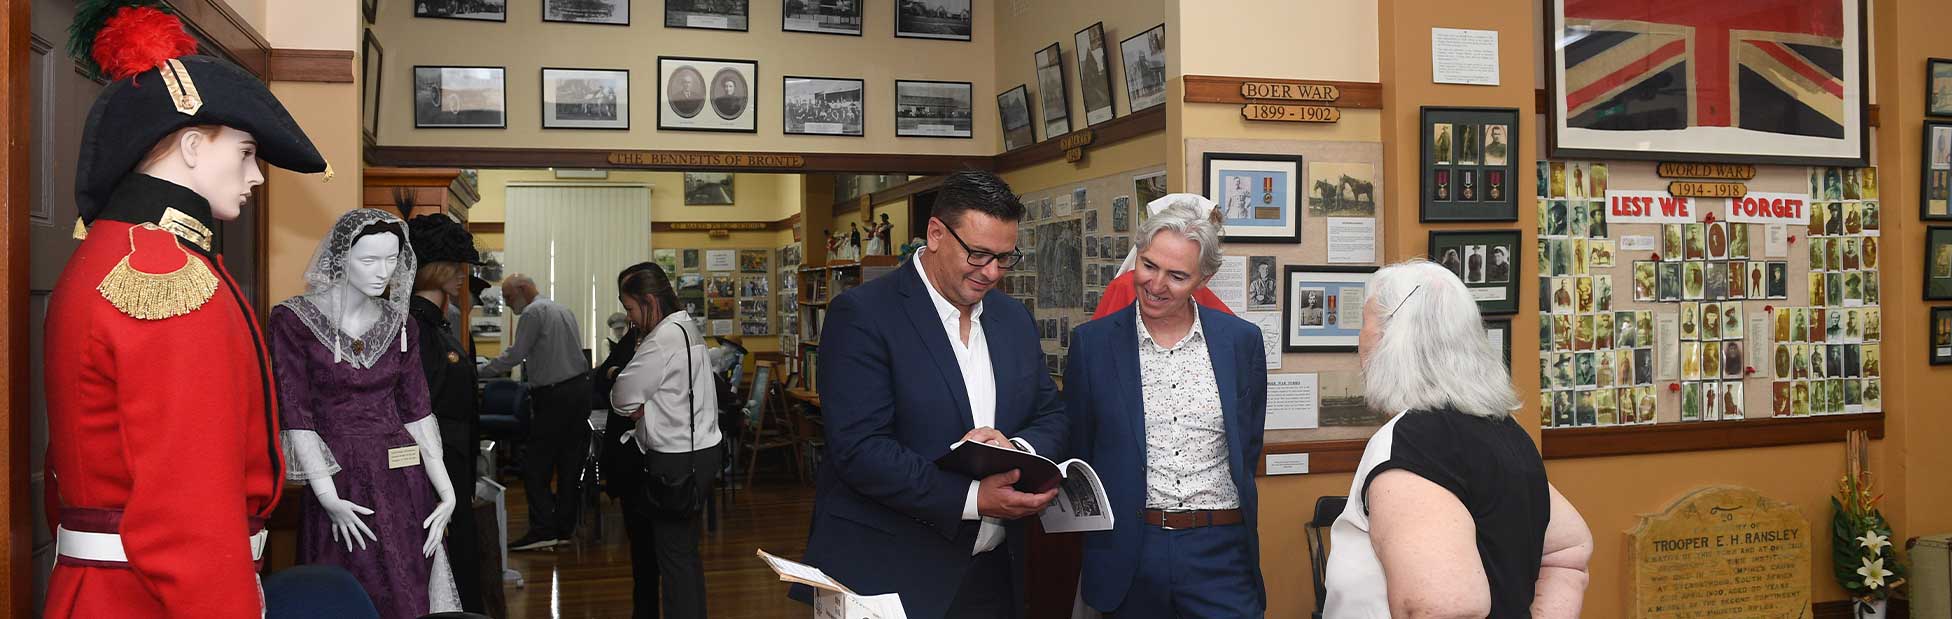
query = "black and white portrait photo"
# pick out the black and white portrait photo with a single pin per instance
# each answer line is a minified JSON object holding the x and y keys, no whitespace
{"x":933,"y":109}
{"x":823,"y":106}
{"x":1498,"y":270}
{"x":585,"y":99}
{"x":1474,"y":264}
{"x":932,"y":19}
{"x":821,"y":16}
{"x":1145,"y":68}
{"x":483,"y":10}
{"x":706,"y":14}
{"x":701,"y":94}
{"x":1308,"y":312}
{"x":1013,"y":107}
{"x":612,"y":12}
{"x":1263,"y":283}
{"x":459,"y":97}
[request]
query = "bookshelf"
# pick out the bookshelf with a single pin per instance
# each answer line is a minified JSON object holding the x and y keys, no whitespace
{"x":818,"y":286}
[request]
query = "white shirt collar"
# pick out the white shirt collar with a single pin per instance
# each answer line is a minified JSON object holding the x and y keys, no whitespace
{"x":944,"y":310}
{"x":1145,"y":335}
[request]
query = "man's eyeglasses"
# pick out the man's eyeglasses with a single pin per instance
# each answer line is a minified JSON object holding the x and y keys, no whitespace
{"x":980,"y":258}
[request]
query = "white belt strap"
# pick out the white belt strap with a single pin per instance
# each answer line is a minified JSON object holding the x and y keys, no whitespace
{"x":107,"y":547}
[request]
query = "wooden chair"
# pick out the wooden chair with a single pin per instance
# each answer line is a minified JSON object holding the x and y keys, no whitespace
{"x":766,"y":427}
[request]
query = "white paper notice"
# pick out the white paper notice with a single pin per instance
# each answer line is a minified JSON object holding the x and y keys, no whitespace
{"x":1667,"y":346}
{"x":1464,"y":56}
{"x":1063,"y":206}
{"x":1230,"y":282}
{"x":1637,"y":242}
{"x":1760,"y":349}
{"x":1287,"y":464}
{"x":707,"y":21}
{"x":1488,"y":294}
{"x":1649,"y":207}
{"x":1293,"y":403}
{"x":1270,"y":324}
{"x":721,"y":259}
{"x":1775,"y":241}
{"x":1351,"y":240}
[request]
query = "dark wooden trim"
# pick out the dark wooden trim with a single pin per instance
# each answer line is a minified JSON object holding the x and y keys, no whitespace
{"x":489,"y":227}
{"x":483,"y":157}
{"x":1841,"y":609}
{"x":1541,"y":103}
{"x":326,"y":66}
{"x":16,"y":173}
{"x":1703,"y":436}
{"x":771,"y":226}
{"x":1224,"y":89}
{"x":217,"y":23}
{"x":1336,"y":456}
{"x":1105,"y":134}
{"x":902,"y":191}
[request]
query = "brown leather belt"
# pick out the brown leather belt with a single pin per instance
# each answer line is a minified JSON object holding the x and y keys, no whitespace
{"x":1176,"y":520}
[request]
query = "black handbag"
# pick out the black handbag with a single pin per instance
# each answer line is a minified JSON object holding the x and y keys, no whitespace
{"x":678,"y":497}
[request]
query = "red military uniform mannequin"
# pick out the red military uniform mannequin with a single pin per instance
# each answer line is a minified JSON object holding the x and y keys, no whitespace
{"x":165,"y":421}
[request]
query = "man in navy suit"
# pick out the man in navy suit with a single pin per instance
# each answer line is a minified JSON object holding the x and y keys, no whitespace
{"x":1167,"y":401}
{"x":910,"y":363}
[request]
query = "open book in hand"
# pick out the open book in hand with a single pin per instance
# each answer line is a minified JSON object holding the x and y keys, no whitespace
{"x":1080,"y":505}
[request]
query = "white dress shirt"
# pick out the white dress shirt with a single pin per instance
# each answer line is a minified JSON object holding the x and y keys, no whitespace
{"x":979,"y":380}
{"x":1186,"y":465}
{"x":655,"y":382}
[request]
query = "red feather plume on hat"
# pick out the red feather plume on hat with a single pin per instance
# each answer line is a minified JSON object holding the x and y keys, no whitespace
{"x":138,"y":39}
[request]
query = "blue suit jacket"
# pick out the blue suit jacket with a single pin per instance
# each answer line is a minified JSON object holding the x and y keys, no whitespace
{"x":885,"y":518}
{"x":1107,"y":409}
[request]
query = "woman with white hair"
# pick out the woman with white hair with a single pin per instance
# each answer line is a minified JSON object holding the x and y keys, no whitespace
{"x":1120,"y":294}
{"x":1450,"y":514}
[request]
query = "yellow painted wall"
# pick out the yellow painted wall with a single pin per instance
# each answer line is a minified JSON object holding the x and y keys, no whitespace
{"x":525,"y":44}
{"x":300,"y":208}
{"x":295,"y":24}
{"x":1020,"y":34}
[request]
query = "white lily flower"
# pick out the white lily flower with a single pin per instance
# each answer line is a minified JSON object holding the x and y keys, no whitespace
{"x":1873,"y":573}
{"x":1871,"y":540}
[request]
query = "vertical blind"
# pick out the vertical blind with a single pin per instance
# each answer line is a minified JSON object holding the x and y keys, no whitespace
{"x":573,"y":240}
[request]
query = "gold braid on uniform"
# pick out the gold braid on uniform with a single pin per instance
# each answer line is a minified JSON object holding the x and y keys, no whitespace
{"x":155,"y":296}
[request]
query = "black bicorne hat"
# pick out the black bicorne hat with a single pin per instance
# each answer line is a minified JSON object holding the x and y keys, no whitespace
{"x":159,"y":88}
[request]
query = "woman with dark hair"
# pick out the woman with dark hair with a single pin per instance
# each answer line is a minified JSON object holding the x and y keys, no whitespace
{"x":666,"y":388}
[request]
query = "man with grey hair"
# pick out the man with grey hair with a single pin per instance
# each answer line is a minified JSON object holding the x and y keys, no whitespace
{"x":548,"y":346}
{"x":1167,"y":400}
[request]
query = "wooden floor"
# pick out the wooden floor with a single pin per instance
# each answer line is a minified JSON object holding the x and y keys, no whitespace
{"x":592,"y":578}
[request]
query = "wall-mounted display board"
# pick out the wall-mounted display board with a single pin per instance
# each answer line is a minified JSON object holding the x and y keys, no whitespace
{"x":1708,"y":82}
{"x":1469,"y":164}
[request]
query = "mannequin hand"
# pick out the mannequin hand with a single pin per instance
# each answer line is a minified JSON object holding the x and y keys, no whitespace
{"x":346,"y":524}
{"x":436,"y":525}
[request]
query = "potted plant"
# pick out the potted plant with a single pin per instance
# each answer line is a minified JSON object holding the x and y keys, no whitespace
{"x":1864,"y":560}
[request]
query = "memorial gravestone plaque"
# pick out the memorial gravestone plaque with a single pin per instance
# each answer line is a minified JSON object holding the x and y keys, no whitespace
{"x":1721,"y":551}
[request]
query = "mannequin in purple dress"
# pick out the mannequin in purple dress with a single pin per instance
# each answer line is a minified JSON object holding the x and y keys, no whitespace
{"x":357,"y":423}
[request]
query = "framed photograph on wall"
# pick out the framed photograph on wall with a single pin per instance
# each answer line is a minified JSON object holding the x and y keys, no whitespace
{"x":708,"y":189}
{"x":706,"y":14}
{"x":1257,"y":194}
{"x":926,"y":109}
{"x":1323,"y":312}
{"x":585,"y":98}
{"x":460,"y":98}
{"x":1469,"y":164}
{"x":821,"y":17}
{"x":1941,"y":330}
{"x":1794,"y":83}
{"x":1938,"y":87}
{"x":608,"y":12}
{"x":372,"y":65}
{"x":1938,"y":263}
{"x":1935,"y":180}
{"x":1013,"y":107}
{"x":1487,"y":261}
{"x":707,"y":94}
{"x":1145,"y":69}
{"x":1094,"y":74}
{"x":933,"y":19}
{"x":1052,"y":96}
{"x":370,"y":9}
{"x":477,"y":10}
{"x":1498,"y":332}
{"x":823,"y":106}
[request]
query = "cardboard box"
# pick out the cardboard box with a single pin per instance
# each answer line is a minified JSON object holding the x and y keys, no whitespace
{"x":832,"y":600}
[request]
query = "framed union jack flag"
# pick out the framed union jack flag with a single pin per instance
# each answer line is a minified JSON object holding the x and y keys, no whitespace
{"x":1752,"y":81}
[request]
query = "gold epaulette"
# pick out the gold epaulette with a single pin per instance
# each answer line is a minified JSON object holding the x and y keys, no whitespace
{"x":155,"y":296}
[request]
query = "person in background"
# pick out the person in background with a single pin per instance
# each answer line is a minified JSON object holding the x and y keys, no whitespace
{"x":548,"y":347}
{"x":1167,"y":401}
{"x":1120,"y":294}
{"x":667,"y":389}
{"x":910,"y":363}
{"x":1450,"y":514}
{"x":446,"y":251}
{"x":623,"y":464}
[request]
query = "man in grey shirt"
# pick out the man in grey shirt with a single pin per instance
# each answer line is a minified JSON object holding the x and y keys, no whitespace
{"x":548,"y":346}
